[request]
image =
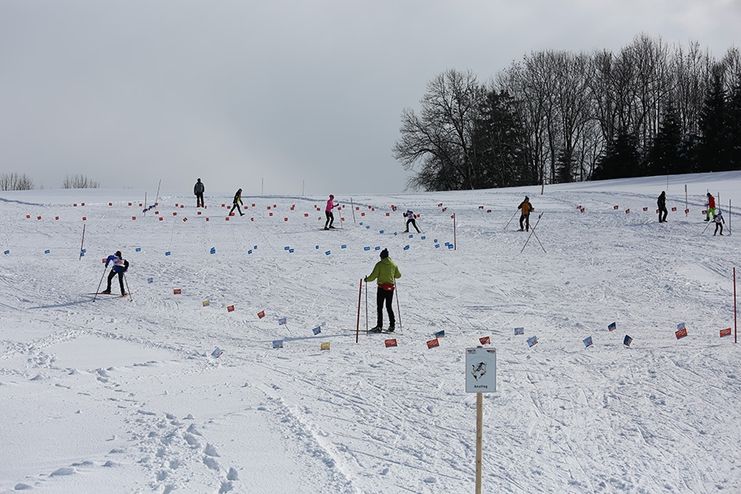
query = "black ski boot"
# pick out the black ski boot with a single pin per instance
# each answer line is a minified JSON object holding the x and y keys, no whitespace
{"x":377,"y":329}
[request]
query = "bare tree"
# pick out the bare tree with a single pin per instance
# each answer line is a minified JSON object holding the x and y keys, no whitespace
{"x":440,"y":136}
{"x":79,"y":182}
{"x":15,"y":181}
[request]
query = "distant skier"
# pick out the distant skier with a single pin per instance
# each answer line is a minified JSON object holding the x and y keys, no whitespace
{"x":328,"y":213}
{"x":710,"y":207}
{"x":119,"y":267}
{"x":198,"y":190}
{"x":718,"y":222}
{"x":409,"y":215}
{"x":661,"y":203}
{"x":236,"y":202}
{"x":386,"y":272}
{"x":526,"y":208}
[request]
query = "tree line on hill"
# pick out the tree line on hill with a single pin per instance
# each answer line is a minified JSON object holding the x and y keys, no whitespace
{"x":556,"y":116}
{"x":21,"y":181}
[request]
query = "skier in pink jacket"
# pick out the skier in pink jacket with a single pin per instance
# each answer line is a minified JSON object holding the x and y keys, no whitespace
{"x":328,"y":212}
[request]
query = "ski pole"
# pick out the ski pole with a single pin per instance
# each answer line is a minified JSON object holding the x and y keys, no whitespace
{"x":357,"y":322}
{"x":105,"y":268}
{"x":706,"y":227}
{"x":541,"y":245}
{"x":510,"y":220}
{"x":82,"y":242}
{"x":128,"y":290}
{"x":531,"y":233}
{"x":366,"y":307}
{"x":398,"y":308}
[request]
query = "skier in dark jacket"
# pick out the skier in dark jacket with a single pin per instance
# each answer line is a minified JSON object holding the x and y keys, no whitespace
{"x":119,"y":267}
{"x":198,"y":190}
{"x":409,"y":215}
{"x":661,"y":203}
{"x":525,"y":207}
{"x":236,"y":202}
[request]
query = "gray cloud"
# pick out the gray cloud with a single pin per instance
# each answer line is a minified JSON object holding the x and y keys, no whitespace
{"x":234,"y":91}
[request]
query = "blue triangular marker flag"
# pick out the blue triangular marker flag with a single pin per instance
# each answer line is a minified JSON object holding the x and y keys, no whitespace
{"x":213,"y":250}
{"x":150,"y":280}
{"x":7,"y":252}
{"x":282,"y":321}
{"x":440,"y":334}
{"x":317,"y":330}
{"x":277,"y":343}
{"x":681,"y":325}
{"x":377,"y":247}
{"x":326,"y":253}
{"x":406,"y":247}
{"x":287,"y":247}
{"x":168,"y":253}
{"x":218,"y":352}
{"x":519,"y":331}
{"x":138,"y":249}
{"x":343,"y":246}
{"x":290,"y":251}
{"x":587,"y":341}
{"x":612,"y":326}
{"x":47,"y":251}
{"x":627,"y":340}
{"x":532,"y":341}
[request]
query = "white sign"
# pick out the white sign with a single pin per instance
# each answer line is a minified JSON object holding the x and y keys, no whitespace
{"x":481,"y":370}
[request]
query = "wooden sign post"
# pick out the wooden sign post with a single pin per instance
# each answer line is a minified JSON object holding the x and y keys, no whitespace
{"x":481,"y":377}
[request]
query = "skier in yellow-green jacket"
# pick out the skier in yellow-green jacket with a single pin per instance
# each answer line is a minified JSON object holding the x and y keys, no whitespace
{"x":386,"y":272}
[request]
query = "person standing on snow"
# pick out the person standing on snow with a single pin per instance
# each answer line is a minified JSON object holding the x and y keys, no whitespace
{"x":526,"y":208}
{"x":236,"y":202}
{"x":328,"y":213}
{"x":710,"y":207}
{"x":119,"y":267}
{"x":386,"y":272}
{"x":409,"y":215}
{"x":661,"y":203}
{"x":198,"y":190}
{"x":718,"y":222}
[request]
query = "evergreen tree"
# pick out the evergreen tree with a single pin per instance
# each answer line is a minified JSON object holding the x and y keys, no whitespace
{"x":498,"y":143}
{"x":712,"y":148}
{"x":620,"y":159}
{"x":664,"y":157}
{"x":733,"y":148}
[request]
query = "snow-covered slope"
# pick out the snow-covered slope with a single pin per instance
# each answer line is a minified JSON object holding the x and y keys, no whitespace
{"x":115,"y":395}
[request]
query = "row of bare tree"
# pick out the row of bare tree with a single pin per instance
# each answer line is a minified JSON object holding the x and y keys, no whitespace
{"x":566,"y":113}
{"x":21,"y":181}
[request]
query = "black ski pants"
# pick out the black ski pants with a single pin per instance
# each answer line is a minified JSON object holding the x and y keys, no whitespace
{"x":120,"y":280}
{"x":199,"y":201}
{"x":385,"y":297}
{"x":525,"y":219}
{"x":717,"y":225}
{"x":330,"y":219}
{"x":236,"y":205}
{"x":662,"y":214}
{"x":413,"y":223}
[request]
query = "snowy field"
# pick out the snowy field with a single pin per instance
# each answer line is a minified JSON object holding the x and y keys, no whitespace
{"x":120,"y":396}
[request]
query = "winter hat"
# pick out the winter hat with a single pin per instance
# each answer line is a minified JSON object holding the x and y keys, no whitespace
{"x":527,"y":198}
{"x":384,"y":253}
{"x":118,"y":253}
{"x":331,"y":196}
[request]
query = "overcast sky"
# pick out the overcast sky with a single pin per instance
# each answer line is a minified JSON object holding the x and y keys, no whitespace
{"x":132,"y":91}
